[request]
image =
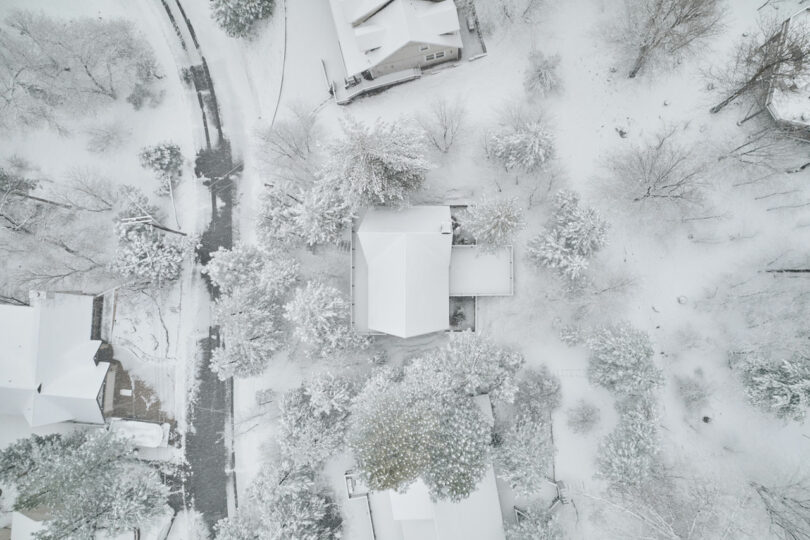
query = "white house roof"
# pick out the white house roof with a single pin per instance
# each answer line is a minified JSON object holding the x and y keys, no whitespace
{"x":407,"y":256}
{"x":369,"y":31}
{"x":47,"y":371}
{"x":24,"y":527}
{"x":790,"y":101}
{"x":478,"y":517}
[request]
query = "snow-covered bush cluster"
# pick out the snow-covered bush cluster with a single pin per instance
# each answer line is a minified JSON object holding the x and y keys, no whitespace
{"x":254,"y":284}
{"x":629,"y":456}
{"x":524,"y":450}
{"x":573,"y":235}
{"x":314,"y":419}
{"x":239,"y":17}
{"x":284,"y":501}
{"x":87,"y":481}
{"x":406,"y":426}
{"x":621,"y":361}
{"x":148,"y":255}
{"x":166,"y":161}
{"x":541,"y":76}
{"x":321,"y":319}
{"x":493,"y":222}
{"x":524,"y":144}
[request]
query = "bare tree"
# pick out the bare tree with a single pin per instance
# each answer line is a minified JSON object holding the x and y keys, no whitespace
{"x":443,"y":123}
{"x":770,"y":57}
{"x":48,"y":64}
{"x":668,"y":27}
{"x":661,"y":173}
{"x":788,"y":508}
{"x":288,"y":149}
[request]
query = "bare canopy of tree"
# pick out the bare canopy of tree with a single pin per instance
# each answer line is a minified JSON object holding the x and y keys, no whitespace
{"x":660,"y":174}
{"x":443,"y":123}
{"x":48,"y":65}
{"x":788,"y":508}
{"x":772,"y":56}
{"x":668,"y":27}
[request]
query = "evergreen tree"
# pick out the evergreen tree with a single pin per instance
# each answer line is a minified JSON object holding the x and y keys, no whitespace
{"x":320,"y":318}
{"x":314,"y":419}
{"x":378,"y":165}
{"x":524,"y":455}
{"x":166,"y":161}
{"x":87,"y":481}
{"x":268,"y":272}
{"x":411,"y":426}
{"x":282,"y":503}
{"x":239,"y":17}
{"x":493,"y":222}
{"x":782,"y":388}
{"x":253,"y":332}
{"x":572,"y":237}
{"x":621,"y":360}
{"x":147,"y":254}
{"x":524,"y":145}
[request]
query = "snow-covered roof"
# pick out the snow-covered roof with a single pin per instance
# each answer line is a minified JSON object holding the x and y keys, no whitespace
{"x":407,"y":255}
{"x":370,"y":31}
{"x":476,"y":272}
{"x":790,"y":101}
{"x":23,"y":527}
{"x":47,"y":371}
{"x":478,"y":517}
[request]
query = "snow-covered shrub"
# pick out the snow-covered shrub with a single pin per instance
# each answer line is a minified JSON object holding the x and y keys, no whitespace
{"x":314,"y":419}
{"x":572,"y":237}
{"x":284,"y":502}
{"x":693,"y":391}
{"x":541,"y":76}
{"x":621,"y":360}
{"x":781,"y":388}
{"x":524,"y":145}
{"x":536,"y":523}
{"x":413,"y":425}
{"x":629,"y":456}
{"x":583,"y":417}
{"x":538,"y":393}
{"x":238,"y":17}
{"x":272,"y":272}
{"x":493,"y":222}
{"x":381,"y":164}
{"x":320,"y":317}
{"x":474,"y":365}
{"x":252,"y":332}
{"x":87,"y":480}
{"x":166,"y":161}
{"x":147,"y":254}
{"x":524,"y":456}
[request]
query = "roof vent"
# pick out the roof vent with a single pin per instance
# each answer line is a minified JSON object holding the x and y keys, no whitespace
{"x":446,"y":227}
{"x":39,"y":389}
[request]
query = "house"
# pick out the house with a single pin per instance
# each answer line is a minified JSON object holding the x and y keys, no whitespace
{"x":789,"y":102}
{"x":413,"y":515}
{"x":383,"y":37}
{"x":48,"y":368}
{"x":405,"y":268}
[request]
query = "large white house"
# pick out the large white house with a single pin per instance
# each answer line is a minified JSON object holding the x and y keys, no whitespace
{"x":48,"y":372}
{"x":405,"y":268}
{"x":381,"y":37}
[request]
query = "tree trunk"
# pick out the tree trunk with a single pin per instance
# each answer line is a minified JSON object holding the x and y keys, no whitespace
{"x":734,"y":95}
{"x":641,"y":59}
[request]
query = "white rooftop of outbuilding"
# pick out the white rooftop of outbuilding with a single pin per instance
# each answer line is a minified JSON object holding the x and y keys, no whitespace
{"x":47,"y":368}
{"x":369,"y":31}
{"x":790,"y":101}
